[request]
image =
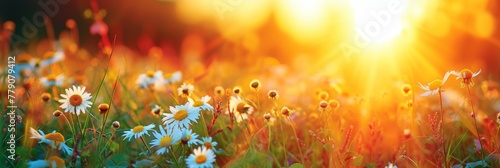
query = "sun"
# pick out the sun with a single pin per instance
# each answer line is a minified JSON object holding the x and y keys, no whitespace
{"x":379,"y":21}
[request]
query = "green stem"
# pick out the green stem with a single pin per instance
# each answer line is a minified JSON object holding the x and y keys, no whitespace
{"x":175,"y":157}
{"x":475,"y":124}
{"x":145,"y":144}
{"x":298,"y":143}
{"x":284,"y":143}
{"x":442,"y":128}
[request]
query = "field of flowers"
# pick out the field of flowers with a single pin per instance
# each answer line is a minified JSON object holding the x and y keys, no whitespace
{"x":244,"y":83}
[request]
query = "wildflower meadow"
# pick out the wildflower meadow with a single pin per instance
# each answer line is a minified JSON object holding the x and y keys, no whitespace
{"x":250,"y":83}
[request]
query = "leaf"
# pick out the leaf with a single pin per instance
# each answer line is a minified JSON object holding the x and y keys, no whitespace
{"x":297,"y":165}
{"x":370,"y":165}
{"x":357,"y":160}
{"x":327,"y":147}
{"x":114,"y":147}
{"x":478,"y":164}
{"x":118,"y":160}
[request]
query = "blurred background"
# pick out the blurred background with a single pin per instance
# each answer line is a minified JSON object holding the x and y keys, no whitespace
{"x":362,"y":42}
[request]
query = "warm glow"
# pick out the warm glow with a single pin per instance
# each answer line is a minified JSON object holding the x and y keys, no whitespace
{"x":379,"y":20}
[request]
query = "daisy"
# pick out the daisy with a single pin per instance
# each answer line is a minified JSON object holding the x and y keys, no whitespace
{"x":201,"y":158}
{"x":390,"y":165}
{"x":273,"y":94}
{"x":75,"y":100}
{"x":185,"y":90}
{"x":208,"y":143}
{"x":165,"y":139}
{"x":52,"y":162}
{"x":172,"y":77}
{"x":202,"y":104}
{"x":52,"y":80}
{"x":237,"y":90}
{"x":268,"y":118}
{"x":466,"y":75}
{"x":406,"y":89}
{"x":157,"y":110}
{"x":138,"y":131}
{"x":189,"y":138}
{"x":240,"y":108}
{"x":434,"y":86}
{"x":149,"y":78}
{"x":55,"y":140}
{"x":255,"y":85}
{"x":181,"y":116}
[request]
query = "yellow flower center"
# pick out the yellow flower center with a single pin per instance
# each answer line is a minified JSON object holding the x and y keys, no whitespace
{"x":198,"y":103}
{"x":150,"y":74}
{"x":208,"y":145}
{"x":59,"y":162}
{"x":435,"y":84}
{"x":200,"y":159}
{"x":166,"y":141}
{"x":51,"y":78}
{"x":466,"y":74}
{"x":180,"y":115}
{"x":188,"y":137}
{"x":168,"y":76}
{"x":75,"y":100}
{"x":241,"y":107}
{"x":138,"y":129}
{"x":56,"y":137}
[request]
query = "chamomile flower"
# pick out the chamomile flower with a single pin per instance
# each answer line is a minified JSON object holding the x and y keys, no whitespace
{"x":390,"y":165}
{"x":52,"y":162}
{"x":75,"y":100}
{"x":202,"y":104}
{"x":185,"y":90}
{"x":240,"y":108}
{"x":208,"y":143}
{"x":273,"y":94}
{"x":189,"y":138}
{"x":466,"y":75}
{"x":435,"y":86}
{"x":218,"y":91}
{"x":268,"y":118}
{"x":172,"y":77}
{"x":181,"y":116}
{"x":201,"y":158}
{"x":157,"y":110}
{"x":52,"y":80}
{"x":255,"y":85}
{"x":149,"y":78}
{"x":406,"y":90}
{"x":55,"y":140}
{"x":165,"y":139}
{"x":138,"y":131}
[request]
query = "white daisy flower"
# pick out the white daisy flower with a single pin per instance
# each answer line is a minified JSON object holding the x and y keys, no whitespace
{"x":185,"y":90}
{"x":149,"y":78}
{"x":75,"y":100}
{"x":52,"y":80}
{"x":466,"y":75}
{"x":52,"y":162}
{"x":268,"y":118}
{"x":209,"y":144}
{"x":435,"y":86}
{"x":173,"y":77}
{"x":165,"y":139}
{"x":201,"y":158}
{"x":189,"y":138}
{"x":157,"y":110}
{"x":55,"y":140}
{"x":240,"y":108}
{"x":181,"y":116}
{"x":202,"y":104}
{"x":390,"y":165}
{"x":138,"y":131}
{"x":34,"y":65}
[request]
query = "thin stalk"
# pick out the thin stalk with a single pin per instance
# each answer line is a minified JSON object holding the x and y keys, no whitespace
{"x":145,"y":144}
{"x":475,"y":124}
{"x":175,"y":157}
{"x":284,"y":143}
{"x":297,"y":138}
{"x":442,"y":128}
{"x":69,"y":123}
